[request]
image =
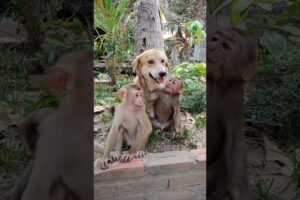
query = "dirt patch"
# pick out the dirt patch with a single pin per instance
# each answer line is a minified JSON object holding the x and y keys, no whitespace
{"x":269,"y":167}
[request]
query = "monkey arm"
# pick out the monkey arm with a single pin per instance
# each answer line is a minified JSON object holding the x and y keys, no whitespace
{"x":21,"y":184}
{"x":46,"y":169}
{"x":176,"y":114}
{"x":144,"y":130}
{"x":114,"y":131}
{"x":235,"y":146}
{"x":29,"y":128}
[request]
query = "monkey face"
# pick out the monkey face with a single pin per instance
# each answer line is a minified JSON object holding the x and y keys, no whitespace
{"x":173,"y":85}
{"x":153,"y":65}
{"x":226,"y":53}
{"x":131,"y":95}
{"x":137,"y":99}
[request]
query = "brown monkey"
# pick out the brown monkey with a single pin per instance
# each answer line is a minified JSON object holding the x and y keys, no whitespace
{"x":165,"y":108}
{"x":30,"y":135}
{"x":29,"y":128}
{"x":230,"y":62}
{"x":130,"y":125}
{"x":65,"y":141}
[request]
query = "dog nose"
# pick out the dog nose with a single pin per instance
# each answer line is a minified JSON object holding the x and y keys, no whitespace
{"x":162,"y":74}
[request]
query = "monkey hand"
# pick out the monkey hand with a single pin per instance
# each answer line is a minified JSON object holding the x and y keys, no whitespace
{"x":140,"y":154}
{"x":114,"y":155}
{"x":126,"y":157}
{"x":102,"y":163}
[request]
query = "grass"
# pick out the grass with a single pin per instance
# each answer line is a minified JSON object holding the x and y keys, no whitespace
{"x":12,"y":153}
{"x":200,"y":121}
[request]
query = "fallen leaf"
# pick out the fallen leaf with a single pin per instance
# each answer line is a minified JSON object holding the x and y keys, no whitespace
{"x":274,"y":154}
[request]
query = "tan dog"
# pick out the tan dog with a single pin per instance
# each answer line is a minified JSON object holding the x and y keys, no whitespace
{"x":153,"y":66}
{"x":161,"y":90}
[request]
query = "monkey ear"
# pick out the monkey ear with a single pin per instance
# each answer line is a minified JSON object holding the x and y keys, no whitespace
{"x":121,"y":93}
{"x":135,"y":64}
{"x":58,"y":79}
{"x":249,"y":71}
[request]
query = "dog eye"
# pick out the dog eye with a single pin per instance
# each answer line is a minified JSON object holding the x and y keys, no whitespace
{"x":162,"y":61}
{"x":150,"y":62}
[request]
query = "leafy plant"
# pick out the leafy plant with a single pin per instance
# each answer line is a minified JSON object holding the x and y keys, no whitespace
{"x":116,"y":43}
{"x":274,"y":101}
{"x":13,"y":74}
{"x":61,"y":36}
{"x":11,"y":149}
{"x":275,"y":25}
{"x":265,"y":193}
{"x":200,"y":121}
{"x":194,"y":95}
{"x":187,"y":36}
{"x":188,"y":70}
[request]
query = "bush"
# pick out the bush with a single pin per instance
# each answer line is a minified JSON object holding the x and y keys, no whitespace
{"x":194,"y":95}
{"x":273,"y":103}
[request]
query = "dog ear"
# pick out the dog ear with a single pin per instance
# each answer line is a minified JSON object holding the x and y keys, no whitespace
{"x":135,"y":64}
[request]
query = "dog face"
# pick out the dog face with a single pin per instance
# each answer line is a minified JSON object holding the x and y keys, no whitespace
{"x":153,"y":65}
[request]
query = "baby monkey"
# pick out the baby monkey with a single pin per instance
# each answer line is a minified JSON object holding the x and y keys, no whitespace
{"x":130,"y":126}
{"x":164,"y":104}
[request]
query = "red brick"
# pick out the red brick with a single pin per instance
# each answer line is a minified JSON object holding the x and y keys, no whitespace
{"x":169,"y":164}
{"x":200,"y":156}
{"x":199,"y":151}
{"x":175,"y":195}
{"x":132,"y":169}
{"x":188,"y":180}
{"x":130,"y":197}
{"x":103,"y":197}
{"x":143,"y":186}
{"x":100,"y":190}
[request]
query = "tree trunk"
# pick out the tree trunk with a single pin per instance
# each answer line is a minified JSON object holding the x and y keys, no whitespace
{"x":148,"y":32}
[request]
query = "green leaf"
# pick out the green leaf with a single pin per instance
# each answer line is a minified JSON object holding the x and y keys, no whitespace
{"x":290,"y":29}
{"x":243,"y":5}
{"x":265,"y":5}
{"x":275,"y":43}
{"x":219,"y":8}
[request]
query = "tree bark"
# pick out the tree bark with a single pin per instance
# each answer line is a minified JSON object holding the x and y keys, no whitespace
{"x":148,"y":32}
